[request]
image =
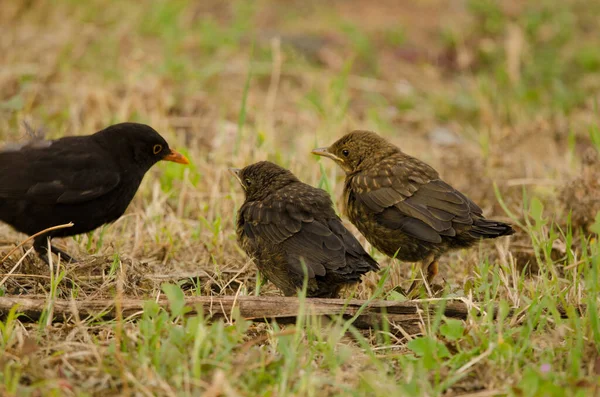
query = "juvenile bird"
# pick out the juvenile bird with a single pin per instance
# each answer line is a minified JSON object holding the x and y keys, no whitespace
{"x":88,"y":180}
{"x":285,"y":223}
{"x":401,"y":205}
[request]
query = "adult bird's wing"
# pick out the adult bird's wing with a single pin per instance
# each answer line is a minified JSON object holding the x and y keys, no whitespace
{"x":408,"y":195}
{"x":56,"y":174}
{"x":303,"y":223}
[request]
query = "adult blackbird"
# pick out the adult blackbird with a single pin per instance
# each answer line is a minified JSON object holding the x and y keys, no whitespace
{"x":285,"y":223}
{"x":401,"y":205}
{"x":87,"y":180}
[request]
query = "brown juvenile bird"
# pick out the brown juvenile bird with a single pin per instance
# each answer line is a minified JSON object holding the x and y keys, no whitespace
{"x":401,"y":205}
{"x":285,"y":223}
{"x":88,"y":180}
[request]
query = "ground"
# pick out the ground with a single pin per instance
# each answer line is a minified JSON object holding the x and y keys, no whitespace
{"x":500,"y":97}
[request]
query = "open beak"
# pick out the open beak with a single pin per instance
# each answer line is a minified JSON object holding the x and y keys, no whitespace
{"x":236,"y":173}
{"x":322,"y":151}
{"x":176,"y":157}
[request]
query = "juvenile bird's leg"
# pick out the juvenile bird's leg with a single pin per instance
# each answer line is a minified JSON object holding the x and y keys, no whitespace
{"x":430,"y":264}
{"x":432,"y":271}
{"x":41,"y":247}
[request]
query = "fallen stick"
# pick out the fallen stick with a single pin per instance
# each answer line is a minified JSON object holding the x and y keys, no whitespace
{"x":253,"y":308}
{"x":408,"y":315}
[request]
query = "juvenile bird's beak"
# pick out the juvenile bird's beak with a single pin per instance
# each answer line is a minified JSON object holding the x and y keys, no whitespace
{"x":323,"y":151}
{"x":176,"y":157}
{"x":236,"y":173}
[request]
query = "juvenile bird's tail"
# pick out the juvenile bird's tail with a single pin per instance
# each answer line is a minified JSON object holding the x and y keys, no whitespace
{"x":487,"y":228}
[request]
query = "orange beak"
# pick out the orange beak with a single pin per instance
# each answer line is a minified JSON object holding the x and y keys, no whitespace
{"x":176,"y":157}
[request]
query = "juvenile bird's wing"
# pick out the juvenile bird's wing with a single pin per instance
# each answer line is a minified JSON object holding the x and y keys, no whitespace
{"x":300,"y":219}
{"x":56,"y":173}
{"x":358,"y":261}
{"x":408,"y":195}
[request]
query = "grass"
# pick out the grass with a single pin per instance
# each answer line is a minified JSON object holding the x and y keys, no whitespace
{"x":500,"y":97}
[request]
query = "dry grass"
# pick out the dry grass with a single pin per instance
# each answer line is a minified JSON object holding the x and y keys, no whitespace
{"x":491,"y":96}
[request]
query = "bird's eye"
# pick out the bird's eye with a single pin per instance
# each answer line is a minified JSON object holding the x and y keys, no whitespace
{"x":248,"y":182}
{"x":157,"y":149}
{"x":345,"y":152}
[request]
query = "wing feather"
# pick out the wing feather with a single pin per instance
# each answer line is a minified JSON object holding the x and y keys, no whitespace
{"x":410,"y":196}
{"x":56,"y":173}
{"x":308,"y":230}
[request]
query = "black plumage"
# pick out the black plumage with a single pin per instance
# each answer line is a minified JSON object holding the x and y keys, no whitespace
{"x":401,"y":205}
{"x":285,"y":223}
{"x":88,"y":180}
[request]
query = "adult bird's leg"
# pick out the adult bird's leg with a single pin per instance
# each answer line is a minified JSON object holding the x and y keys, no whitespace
{"x":41,"y":247}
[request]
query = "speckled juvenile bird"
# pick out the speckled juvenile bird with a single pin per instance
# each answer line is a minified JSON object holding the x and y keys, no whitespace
{"x":285,"y":223}
{"x":401,"y":205}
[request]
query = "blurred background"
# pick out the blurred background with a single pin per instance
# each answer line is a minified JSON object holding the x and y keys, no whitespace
{"x":485,"y":91}
{"x":500,"y":96}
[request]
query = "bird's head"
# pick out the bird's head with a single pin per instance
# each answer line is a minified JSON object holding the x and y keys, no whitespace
{"x":139,"y":142}
{"x":357,"y":150}
{"x":262,"y":178}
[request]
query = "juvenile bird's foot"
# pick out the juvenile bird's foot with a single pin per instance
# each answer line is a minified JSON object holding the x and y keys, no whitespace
{"x":400,"y":290}
{"x":414,"y":291}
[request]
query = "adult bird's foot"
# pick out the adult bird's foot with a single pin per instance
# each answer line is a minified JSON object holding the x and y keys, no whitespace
{"x":64,"y":257}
